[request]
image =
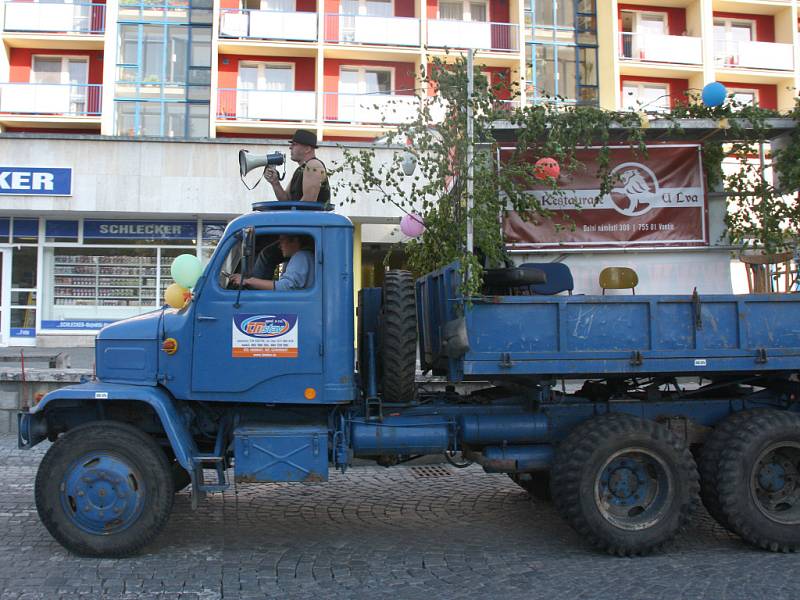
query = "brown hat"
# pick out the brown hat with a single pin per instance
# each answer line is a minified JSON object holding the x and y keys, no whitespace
{"x":305,"y":137}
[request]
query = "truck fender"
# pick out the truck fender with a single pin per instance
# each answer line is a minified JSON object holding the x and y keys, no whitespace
{"x":162,"y":403}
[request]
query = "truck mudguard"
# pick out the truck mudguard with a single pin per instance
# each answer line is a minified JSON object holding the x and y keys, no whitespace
{"x":162,"y":403}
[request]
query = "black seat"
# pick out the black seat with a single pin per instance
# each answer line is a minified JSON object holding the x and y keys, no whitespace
{"x":503,"y":282}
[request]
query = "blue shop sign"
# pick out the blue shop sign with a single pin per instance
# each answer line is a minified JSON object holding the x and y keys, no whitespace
{"x":140,"y":230}
{"x":28,"y":332}
{"x":76,"y":324}
{"x":35,"y":181}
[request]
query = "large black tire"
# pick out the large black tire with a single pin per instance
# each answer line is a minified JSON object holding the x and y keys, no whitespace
{"x":627,"y":485}
{"x":536,"y":484}
{"x":758,"y":482}
{"x":104,"y":489}
{"x":398,"y":338}
{"x":708,"y":465}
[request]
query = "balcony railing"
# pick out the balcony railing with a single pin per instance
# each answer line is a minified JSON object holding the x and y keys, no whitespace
{"x":54,"y":18}
{"x":266,"y":105}
{"x":268,"y":25}
{"x":647,"y":47}
{"x":366,"y":29}
{"x":502,"y":37}
{"x":753,"y":55}
{"x":370,"y":108}
{"x":61,"y":99}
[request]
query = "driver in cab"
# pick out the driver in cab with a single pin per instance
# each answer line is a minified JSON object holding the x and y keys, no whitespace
{"x":298,"y":273}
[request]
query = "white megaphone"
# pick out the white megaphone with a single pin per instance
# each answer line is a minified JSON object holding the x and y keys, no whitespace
{"x":248,"y":162}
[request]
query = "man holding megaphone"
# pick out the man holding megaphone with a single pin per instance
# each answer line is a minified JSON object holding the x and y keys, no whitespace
{"x":310,"y":180}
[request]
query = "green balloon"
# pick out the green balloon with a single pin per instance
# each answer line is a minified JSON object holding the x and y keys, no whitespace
{"x":186,"y":270}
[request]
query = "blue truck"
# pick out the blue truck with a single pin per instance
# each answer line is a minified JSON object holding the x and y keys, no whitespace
{"x":268,"y":386}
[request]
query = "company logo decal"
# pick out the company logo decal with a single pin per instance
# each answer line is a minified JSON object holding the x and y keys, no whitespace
{"x":637,"y":191}
{"x":265,"y":336}
{"x":265,"y":327}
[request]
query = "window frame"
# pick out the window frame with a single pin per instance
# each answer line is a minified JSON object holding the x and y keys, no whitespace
{"x":666,"y":89}
{"x":466,"y":11}
{"x":362,"y":70}
{"x":262,"y":67}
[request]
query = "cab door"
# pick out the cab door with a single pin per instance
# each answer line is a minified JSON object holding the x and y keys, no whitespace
{"x":258,"y":345}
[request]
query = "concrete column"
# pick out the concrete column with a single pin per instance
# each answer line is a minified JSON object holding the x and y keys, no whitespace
{"x":705,"y":16}
{"x":109,"y":68}
{"x":607,"y":54}
{"x":214,"y":99}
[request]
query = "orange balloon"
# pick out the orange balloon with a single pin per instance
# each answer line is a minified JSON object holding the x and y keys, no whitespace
{"x":177,"y":296}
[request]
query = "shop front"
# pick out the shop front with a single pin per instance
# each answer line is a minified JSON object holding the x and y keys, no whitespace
{"x":64,"y":276}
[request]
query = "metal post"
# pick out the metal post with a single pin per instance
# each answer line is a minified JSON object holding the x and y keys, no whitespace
{"x":470,"y":149}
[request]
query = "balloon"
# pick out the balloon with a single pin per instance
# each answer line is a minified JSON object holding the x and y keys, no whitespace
{"x":412,"y":225}
{"x":714,"y":94}
{"x":186,"y":270}
{"x":546,"y":167}
{"x":177,"y":296}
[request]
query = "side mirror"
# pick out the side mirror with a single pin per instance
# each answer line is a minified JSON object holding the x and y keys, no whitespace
{"x":248,"y":250}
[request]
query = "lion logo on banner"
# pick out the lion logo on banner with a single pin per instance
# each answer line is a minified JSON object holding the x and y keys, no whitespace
{"x":638,"y":190}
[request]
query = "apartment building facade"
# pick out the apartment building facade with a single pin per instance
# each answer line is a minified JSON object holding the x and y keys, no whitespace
{"x":144,"y":103}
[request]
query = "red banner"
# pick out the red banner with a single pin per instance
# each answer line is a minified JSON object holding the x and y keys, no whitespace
{"x":655,"y":201}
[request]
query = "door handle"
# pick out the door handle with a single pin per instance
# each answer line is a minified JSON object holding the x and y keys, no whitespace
{"x":206,"y":318}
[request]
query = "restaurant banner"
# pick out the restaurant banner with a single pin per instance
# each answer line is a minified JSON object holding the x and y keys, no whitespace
{"x":655,"y":201}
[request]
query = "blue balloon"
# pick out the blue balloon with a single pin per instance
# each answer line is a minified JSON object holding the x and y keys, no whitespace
{"x":714,"y":94}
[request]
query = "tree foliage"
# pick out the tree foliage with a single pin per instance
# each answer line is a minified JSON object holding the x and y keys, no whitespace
{"x":437,"y":138}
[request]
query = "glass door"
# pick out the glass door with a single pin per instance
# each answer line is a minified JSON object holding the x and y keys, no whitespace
{"x":5,"y":296}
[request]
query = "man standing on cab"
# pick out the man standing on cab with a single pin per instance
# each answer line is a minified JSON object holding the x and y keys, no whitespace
{"x":310,"y":180}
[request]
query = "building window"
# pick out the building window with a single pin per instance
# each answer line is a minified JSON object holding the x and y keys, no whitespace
{"x":639,"y":24}
{"x":276,"y":77}
{"x":164,"y":70}
{"x":463,"y":11}
{"x":645,"y":96}
{"x":744,"y":96}
{"x":561,"y":52}
{"x":365,"y":80}
{"x":372,"y":8}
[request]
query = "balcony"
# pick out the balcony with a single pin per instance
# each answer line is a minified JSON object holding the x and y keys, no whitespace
{"x":389,"y":109}
{"x":40,"y":17}
{"x":51,"y":99}
{"x":268,"y":25}
{"x":680,"y":49}
{"x":478,"y":35}
{"x":266,"y":105}
{"x":367,"y":29}
{"x":753,"y":55}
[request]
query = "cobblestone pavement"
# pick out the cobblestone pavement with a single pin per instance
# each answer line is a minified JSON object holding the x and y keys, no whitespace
{"x":416,"y":532}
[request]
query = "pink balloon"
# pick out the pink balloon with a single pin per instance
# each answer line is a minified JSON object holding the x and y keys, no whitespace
{"x":412,"y":225}
{"x":547,"y":167}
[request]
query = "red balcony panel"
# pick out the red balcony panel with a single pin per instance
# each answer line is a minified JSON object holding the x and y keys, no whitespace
{"x":676,"y":17}
{"x":229,"y":76}
{"x":21,"y":59}
{"x":765,"y":24}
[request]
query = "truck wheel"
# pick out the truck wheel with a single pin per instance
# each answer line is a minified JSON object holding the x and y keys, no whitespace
{"x":626,"y":484}
{"x":104,"y":489}
{"x":708,"y":465}
{"x":398,"y":339}
{"x":758,"y":482}
{"x":536,"y":484}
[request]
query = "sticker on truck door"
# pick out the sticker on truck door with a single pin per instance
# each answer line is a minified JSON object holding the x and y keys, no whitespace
{"x":265,"y":336}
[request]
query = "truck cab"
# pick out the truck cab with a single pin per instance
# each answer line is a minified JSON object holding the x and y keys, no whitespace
{"x":250,"y":345}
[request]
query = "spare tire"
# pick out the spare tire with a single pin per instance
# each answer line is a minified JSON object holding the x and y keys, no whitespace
{"x":398,"y":338}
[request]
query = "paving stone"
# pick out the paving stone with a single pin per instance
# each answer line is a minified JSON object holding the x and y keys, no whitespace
{"x":373,"y":533}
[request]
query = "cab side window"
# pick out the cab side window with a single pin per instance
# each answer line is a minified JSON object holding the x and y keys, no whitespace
{"x":282,"y":262}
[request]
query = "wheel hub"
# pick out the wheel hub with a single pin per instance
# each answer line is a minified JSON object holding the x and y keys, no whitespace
{"x":633,"y":489}
{"x":625,"y":481}
{"x":102,"y":493}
